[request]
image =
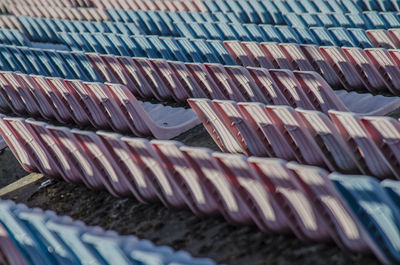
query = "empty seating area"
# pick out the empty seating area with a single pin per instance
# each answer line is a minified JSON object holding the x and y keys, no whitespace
{"x":300,"y":96}
{"x":45,"y":238}
{"x":209,"y":182}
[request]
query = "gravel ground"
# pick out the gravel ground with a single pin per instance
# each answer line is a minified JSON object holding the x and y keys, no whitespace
{"x":203,"y":237}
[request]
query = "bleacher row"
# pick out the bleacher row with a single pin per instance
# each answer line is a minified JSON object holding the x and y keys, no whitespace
{"x":345,"y":142}
{"x":275,"y":195}
{"x":204,"y":27}
{"x":103,"y":106}
{"x":43,"y":238}
{"x":373,"y":70}
{"x":63,"y":100}
{"x":223,"y":52}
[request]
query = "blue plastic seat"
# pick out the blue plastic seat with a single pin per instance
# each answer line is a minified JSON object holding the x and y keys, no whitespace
{"x":264,"y":16}
{"x":96,"y":45}
{"x":161,"y":48}
{"x":111,"y":26}
{"x":77,"y":64}
{"x":323,"y":6}
{"x":375,"y":212}
{"x":311,"y":20}
{"x":392,"y":21}
{"x":224,"y":7}
{"x":213,"y":31}
{"x":251,"y":13}
{"x":296,"y":6}
{"x":305,"y":36}
{"x":168,"y":22}
{"x":150,"y":24}
{"x":282,"y":6}
{"x":296,"y":20}
{"x":322,"y":36}
{"x":387,"y":5}
{"x":287,"y":34}
{"x":146,"y":46}
{"x":221,"y":52}
{"x":185,"y":30}
{"x":311,"y":6}
{"x":238,"y":11}
{"x":68,"y":41}
{"x":272,"y":9}
{"x":133,"y":48}
{"x":336,"y":6}
{"x":198,"y":17}
{"x":241,"y":32}
{"x":5,"y":57}
{"x":342,"y":20}
{"x":207,"y":17}
{"x":80,"y":42}
{"x":211,"y":6}
{"x":359,"y":21}
{"x":90,"y":27}
{"x":327,"y":20}
{"x":175,"y":49}
{"x":270,"y":33}
{"x":351,"y":7}
{"x":255,"y":33}
{"x":3,"y":38}
{"x":186,"y":17}
{"x":199,"y":31}
{"x":79,"y":26}
{"x":62,"y":68}
{"x":360,"y":37}
{"x":119,"y":46}
{"x":189,"y":50}
{"x":105,"y":43}
{"x":30,"y":29}
{"x":342,"y":37}
{"x":228,"y":33}
{"x":36,"y":64}
{"x":114,"y":15}
{"x":23,"y":238}
{"x":22,"y":62}
{"x":375,"y":20}
{"x":207,"y":54}
{"x":86,"y":67}
{"x":46,"y":62}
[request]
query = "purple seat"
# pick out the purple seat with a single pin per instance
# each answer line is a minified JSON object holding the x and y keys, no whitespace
{"x":294,"y":53}
{"x":363,"y":147}
{"x":346,"y":72}
{"x":380,"y":38}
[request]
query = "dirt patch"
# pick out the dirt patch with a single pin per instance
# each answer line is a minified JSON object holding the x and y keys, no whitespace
{"x":10,"y":169}
{"x":203,"y":237}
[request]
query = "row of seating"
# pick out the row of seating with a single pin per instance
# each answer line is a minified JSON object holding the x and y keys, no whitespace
{"x":264,"y":8}
{"x":144,"y":23}
{"x":365,"y":20}
{"x":275,"y":195}
{"x":372,"y":69}
{"x":166,"y":80}
{"x":346,"y":142}
{"x":102,"y":106}
{"x":351,"y":37}
{"x":71,"y":13}
{"x":163,"y":5}
{"x":305,"y":6}
{"x":54,"y":63}
{"x":13,"y":37}
{"x":43,"y":238}
{"x":62,"y":3}
{"x":45,"y":30}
